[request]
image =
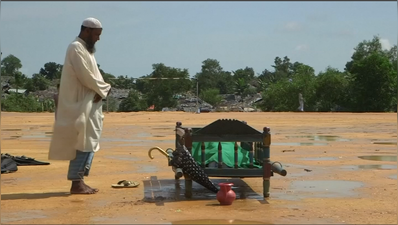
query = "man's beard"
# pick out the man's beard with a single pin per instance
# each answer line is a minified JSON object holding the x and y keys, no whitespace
{"x":90,"y":47}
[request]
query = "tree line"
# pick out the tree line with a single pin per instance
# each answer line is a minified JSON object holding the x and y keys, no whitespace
{"x":368,"y":83}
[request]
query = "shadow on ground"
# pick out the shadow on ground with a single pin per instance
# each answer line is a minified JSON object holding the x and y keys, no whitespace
{"x":171,"y":190}
{"x":16,"y":196}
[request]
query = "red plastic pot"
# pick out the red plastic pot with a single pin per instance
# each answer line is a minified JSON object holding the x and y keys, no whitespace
{"x":226,"y":195}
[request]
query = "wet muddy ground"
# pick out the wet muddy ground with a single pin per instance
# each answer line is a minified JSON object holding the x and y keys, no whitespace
{"x":341,"y":168}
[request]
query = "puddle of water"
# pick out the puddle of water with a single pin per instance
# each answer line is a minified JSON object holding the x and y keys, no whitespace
{"x":37,"y":136}
{"x":134,"y":141}
{"x":320,"y":158}
{"x":386,"y":158}
{"x":116,"y":140}
{"x":15,"y":136}
{"x":122,"y":158}
{"x":33,"y":195}
{"x":321,"y":137}
{"x":393,"y":176}
{"x":144,"y":143}
{"x":14,"y":180}
{"x":215,"y":221}
{"x":147,"y":169}
{"x":171,"y":190}
{"x":22,"y":215}
{"x":11,"y":129}
{"x":300,"y":144}
{"x":327,"y":188}
{"x":12,"y":137}
{"x":115,"y":220}
{"x":45,"y":135}
{"x":378,"y":152}
{"x":163,"y":128}
{"x":135,"y":145}
{"x":372,"y":167}
{"x":143,"y":134}
{"x":384,"y":143}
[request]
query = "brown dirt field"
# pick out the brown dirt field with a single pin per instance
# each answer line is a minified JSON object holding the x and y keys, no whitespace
{"x":340,"y":188}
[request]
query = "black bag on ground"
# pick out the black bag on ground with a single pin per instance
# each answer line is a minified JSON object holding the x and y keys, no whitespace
{"x":8,"y":165}
{"x":23,"y":160}
{"x":28,"y":161}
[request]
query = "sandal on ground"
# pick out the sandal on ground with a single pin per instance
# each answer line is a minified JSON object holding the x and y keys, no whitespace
{"x":126,"y":184}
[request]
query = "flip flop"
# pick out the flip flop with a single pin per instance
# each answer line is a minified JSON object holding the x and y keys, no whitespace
{"x":126,"y":184}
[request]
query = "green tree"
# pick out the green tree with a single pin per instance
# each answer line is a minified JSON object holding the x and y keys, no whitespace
{"x":331,"y":89}
{"x":29,"y":86}
{"x":133,"y":103}
{"x":10,"y":65}
{"x":241,"y":86}
{"x":40,"y":82}
{"x":108,"y":78}
{"x":123,"y":82}
{"x":283,"y":69}
{"x":283,"y":94}
{"x":19,"y":80}
{"x":371,"y":84}
{"x":212,"y":76}
{"x":242,"y":80}
{"x":211,"y":96}
{"x":280,"y":96}
{"x":372,"y":76}
{"x":51,"y":70}
{"x":20,"y":103}
{"x":160,"y":89}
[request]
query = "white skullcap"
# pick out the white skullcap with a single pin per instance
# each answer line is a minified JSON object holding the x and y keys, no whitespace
{"x":92,"y":23}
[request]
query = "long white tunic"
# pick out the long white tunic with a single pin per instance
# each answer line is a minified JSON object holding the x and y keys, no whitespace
{"x":79,"y":120}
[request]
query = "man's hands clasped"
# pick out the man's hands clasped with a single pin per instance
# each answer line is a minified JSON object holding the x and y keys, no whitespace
{"x":98,"y":97}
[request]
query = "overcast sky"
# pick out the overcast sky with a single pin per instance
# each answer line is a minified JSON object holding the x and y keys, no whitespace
{"x":184,"y":34}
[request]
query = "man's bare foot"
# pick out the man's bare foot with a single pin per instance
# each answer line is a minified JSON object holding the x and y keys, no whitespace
{"x":94,"y":189}
{"x":79,"y":187}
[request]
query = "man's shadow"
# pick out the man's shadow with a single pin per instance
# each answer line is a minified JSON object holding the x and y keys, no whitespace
{"x":16,"y":196}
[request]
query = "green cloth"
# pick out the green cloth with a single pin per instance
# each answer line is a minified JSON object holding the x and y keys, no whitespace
{"x":228,"y":156}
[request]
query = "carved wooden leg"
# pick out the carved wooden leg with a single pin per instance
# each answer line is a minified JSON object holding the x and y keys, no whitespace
{"x":188,"y":186}
{"x":266,"y":162}
{"x":178,"y":173}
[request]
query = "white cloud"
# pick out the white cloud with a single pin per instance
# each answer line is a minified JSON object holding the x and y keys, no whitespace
{"x":292,"y":26}
{"x":301,"y":47}
{"x":385,"y":44}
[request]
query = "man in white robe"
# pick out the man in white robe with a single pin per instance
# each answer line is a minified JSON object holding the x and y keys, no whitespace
{"x":301,"y":102}
{"x":78,"y":126}
{"x":55,"y":98}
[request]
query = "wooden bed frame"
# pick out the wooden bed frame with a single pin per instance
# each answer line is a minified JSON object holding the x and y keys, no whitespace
{"x":230,"y":130}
